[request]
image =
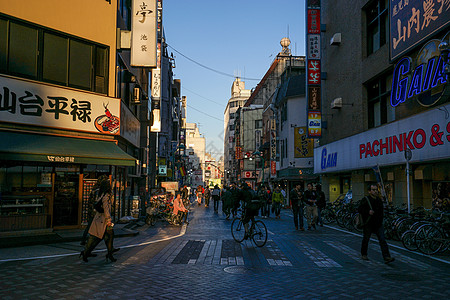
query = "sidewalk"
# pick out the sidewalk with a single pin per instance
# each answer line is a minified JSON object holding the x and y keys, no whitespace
{"x":49,"y":236}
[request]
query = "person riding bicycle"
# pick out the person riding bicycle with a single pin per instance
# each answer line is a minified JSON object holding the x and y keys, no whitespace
{"x":178,"y":208}
{"x":250,"y":206}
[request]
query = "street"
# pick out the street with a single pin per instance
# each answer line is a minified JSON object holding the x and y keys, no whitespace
{"x":202,"y":261}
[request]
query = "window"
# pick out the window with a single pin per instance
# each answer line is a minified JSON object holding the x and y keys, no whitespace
{"x":258,"y":124}
{"x":377,"y":25}
{"x":45,"y":55}
{"x":380,"y":109}
{"x":232,"y":116}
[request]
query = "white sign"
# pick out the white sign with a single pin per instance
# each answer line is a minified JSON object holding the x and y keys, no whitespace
{"x":426,"y":134}
{"x":143,"y":33}
{"x":27,"y":102}
{"x":313,"y":46}
{"x":162,"y":170}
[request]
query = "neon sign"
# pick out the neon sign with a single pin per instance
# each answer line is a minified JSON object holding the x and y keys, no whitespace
{"x":425,"y":81}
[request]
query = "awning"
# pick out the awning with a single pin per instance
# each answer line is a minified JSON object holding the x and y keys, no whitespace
{"x":44,"y":148}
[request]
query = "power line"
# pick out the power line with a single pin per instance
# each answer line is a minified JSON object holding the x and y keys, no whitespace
{"x":221,"y":120}
{"x":208,"y":68}
{"x":184,"y":88}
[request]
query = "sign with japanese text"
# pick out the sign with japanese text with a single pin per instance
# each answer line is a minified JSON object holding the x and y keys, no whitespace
{"x":314,"y":123}
{"x":313,"y":45}
{"x":313,"y":72}
{"x":314,"y":21}
{"x":143,"y":33}
{"x":313,"y":3}
{"x":130,"y":128}
{"x":273,"y":169}
{"x":273,"y":145}
{"x":427,"y":135}
{"x":303,"y":146}
{"x":27,"y":102}
{"x":412,"y":21}
{"x":314,"y":102}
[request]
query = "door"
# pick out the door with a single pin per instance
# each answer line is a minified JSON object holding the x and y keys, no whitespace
{"x":65,"y":204}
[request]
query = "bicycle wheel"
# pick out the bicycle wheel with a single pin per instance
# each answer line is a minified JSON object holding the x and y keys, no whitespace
{"x":428,"y":239}
{"x":237,"y":230}
{"x":259,"y":234}
{"x":327,"y":216}
{"x":355,"y":217}
{"x":435,"y":239}
{"x":408,"y":240}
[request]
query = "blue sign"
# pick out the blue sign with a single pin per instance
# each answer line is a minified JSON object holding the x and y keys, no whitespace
{"x":413,"y":21}
{"x":424,"y":81}
{"x":328,"y":160}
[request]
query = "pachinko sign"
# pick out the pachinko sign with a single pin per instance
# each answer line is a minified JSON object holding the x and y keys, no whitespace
{"x":422,"y":79}
{"x":26,"y":102}
{"x":426,"y":135}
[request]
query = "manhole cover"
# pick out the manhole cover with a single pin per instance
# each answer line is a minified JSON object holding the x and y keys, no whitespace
{"x":401,"y":276}
{"x":245,"y":270}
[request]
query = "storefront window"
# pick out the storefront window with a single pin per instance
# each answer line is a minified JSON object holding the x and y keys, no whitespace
{"x":441,"y":196}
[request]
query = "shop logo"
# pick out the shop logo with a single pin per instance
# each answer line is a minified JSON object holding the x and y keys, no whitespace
{"x":328,"y":160}
{"x":426,"y":82}
{"x":107,"y":123}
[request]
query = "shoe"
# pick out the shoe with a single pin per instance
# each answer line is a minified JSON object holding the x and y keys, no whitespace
{"x":302,"y":229}
{"x":314,"y":226}
{"x":296,"y":227}
{"x":364,"y":257}
{"x":321,"y":225}
{"x":388,"y":260}
{"x":82,"y":255}
{"x":309,"y":227}
{"x":110,"y":257}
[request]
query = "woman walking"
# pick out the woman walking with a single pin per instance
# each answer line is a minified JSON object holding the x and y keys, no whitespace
{"x":101,"y":227}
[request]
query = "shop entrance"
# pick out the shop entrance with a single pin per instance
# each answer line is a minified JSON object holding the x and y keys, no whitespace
{"x":65,"y":204}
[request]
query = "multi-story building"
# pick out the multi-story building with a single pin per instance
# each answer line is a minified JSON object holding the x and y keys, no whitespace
{"x":239,"y":96}
{"x":385,"y":100}
{"x":70,"y":111}
{"x":196,"y":151}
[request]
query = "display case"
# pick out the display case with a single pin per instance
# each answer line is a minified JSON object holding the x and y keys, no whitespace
{"x":23,"y":212}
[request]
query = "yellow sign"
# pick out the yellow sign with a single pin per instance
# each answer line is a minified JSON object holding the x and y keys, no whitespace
{"x":303,"y":146}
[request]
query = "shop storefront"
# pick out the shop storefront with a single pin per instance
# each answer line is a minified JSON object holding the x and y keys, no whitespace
{"x":55,"y":142}
{"x":426,"y":135}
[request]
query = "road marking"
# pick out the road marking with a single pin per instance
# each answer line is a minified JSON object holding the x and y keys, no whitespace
{"x":317,"y":256}
{"x":182,"y":232}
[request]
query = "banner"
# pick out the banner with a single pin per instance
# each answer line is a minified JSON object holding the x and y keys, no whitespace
{"x":143,"y":33}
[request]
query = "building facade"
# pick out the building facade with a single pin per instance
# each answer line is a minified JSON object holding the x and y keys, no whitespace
{"x":196,"y":152}
{"x":385,"y":101}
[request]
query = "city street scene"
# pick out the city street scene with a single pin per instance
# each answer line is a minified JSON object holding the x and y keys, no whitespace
{"x":169,"y":149}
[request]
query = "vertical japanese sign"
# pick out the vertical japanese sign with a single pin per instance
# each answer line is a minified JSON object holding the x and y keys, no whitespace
{"x":156,"y":74}
{"x":413,"y":21}
{"x":273,"y":150}
{"x":313,"y":81}
{"x":143,"y":36}
{"x":303,"y":146}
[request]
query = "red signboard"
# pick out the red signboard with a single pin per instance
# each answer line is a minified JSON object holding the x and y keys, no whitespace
{"x":273,"y":169}
{"x":313,"y":71}
{"x":314,"y":21}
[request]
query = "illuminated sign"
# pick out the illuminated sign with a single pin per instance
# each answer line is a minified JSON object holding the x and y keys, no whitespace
{"x":423,"y":79}
{"x":314,"y":123}
{"x":413,"y":21}
{"x":328,"y":160}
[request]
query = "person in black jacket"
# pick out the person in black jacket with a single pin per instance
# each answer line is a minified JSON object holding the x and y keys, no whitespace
{"x":310,"y":197}
{"x":296,"y":198}
{"x":371,"y":209}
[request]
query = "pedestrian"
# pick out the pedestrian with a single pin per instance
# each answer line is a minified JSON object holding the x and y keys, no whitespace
{"x":235,"y":192}
{"x":207,"y":196}
{"x":199,"y":194}
{"x":185,"y":196}
{"x":310,"y":197}
{"x":321,"y":203}
{"x":101,"y":227}
{"x":297,"y":204}
{"x":90,"y":206}
{"x":277,"y":199}
{"x":227,"y":198}
{"x":283,"y":192}
{"x":371,"y":209}
{"x":216,"y":197}
{"x":179,"y":208}
{"x":263,"y":197}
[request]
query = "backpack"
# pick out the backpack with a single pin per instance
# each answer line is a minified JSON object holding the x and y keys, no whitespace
{"x":98,"y":206}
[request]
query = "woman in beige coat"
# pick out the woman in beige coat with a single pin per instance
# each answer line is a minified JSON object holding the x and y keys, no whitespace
{"x":101,"y":227}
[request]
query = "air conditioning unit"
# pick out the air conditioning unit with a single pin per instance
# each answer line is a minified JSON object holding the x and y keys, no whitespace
{"x":336,"y":39}
{"x":336,"y":103}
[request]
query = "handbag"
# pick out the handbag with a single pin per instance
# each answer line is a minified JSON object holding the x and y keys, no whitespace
{"x":359,"y":222}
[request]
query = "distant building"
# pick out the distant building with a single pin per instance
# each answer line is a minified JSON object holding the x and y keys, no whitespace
{"x":196,"y":151}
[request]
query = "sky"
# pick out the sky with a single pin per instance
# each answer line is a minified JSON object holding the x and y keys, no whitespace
{"x":214,"y":40}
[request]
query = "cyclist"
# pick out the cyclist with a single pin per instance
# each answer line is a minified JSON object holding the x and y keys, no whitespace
{"x":178,"y":208}
{"x":250,"y":206}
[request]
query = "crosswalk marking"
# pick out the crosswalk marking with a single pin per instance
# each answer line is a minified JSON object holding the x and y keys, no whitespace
{"x":317,"y":256}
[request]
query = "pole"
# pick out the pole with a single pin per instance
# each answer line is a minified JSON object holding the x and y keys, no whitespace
{"x":407,"y":187}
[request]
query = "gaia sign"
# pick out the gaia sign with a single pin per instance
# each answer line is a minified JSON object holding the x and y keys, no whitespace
{"x":422,"y":79}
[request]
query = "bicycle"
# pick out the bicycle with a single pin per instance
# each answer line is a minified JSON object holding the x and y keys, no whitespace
{"x":257,"y":231}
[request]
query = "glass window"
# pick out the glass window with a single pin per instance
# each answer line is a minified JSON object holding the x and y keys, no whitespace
{"x":379,"y":106}
{"x":258,"y":124}
{"x":3,"y":44}
{"x":101,"y":69}
{"x":54,"y":65}
{"x":377,"y":25}
{"x":80,"y":65}
{"x":23,"y":50}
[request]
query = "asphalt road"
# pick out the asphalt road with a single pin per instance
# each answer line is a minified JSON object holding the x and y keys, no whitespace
{"x":202,"y":261}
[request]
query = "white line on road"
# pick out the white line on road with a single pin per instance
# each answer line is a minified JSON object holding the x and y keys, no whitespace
{"x":182,"y":232}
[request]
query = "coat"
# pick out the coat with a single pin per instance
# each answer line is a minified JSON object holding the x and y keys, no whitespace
{"x":98,"y":226}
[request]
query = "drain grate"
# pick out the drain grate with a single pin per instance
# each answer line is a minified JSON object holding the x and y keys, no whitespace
{"x":400,"y":276}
